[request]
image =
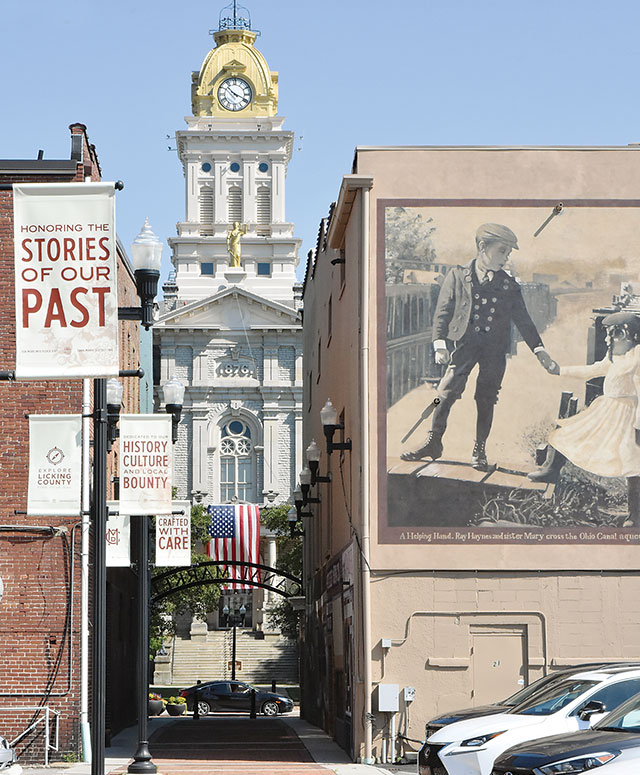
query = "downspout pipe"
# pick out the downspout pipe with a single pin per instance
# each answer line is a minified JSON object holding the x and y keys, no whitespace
{"x":365,"y":533}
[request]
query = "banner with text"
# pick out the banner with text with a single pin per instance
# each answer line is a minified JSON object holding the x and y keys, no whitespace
{"x":65,"y":276}
{"x":173,"y":536}
{"x":146,"y":460}
{"x":118,"y":537}
{"x":55,"y":462}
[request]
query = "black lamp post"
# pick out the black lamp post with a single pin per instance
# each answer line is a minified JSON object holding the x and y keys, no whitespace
{"x":146,"y":252}
{"x":142,"y":763}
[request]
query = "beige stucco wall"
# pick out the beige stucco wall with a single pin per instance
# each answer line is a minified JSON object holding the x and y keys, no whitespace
{"x":567,"y":619}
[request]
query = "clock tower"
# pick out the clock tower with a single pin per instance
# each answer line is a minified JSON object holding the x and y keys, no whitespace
{"x":230,"y":329}
{"x":234,"y":154}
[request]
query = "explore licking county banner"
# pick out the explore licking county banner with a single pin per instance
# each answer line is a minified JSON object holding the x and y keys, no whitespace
{"x":55,"y":462}
{"x":65,"y":277}
{"x":146,"y":461}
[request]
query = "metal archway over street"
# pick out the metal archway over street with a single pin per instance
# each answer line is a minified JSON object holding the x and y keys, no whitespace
{"x":254,"y":575}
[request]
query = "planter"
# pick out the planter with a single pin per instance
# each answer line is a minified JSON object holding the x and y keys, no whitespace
{"x":155,"y":707}
{"x":176,"y":710}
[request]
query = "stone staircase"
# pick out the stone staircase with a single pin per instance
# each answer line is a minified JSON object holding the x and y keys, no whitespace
{"x":263,"y":660}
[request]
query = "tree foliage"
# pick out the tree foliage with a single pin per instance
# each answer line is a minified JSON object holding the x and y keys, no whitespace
{"x":408,"y":243}
{"x":289,"y":551}
{"x":198,"y":601}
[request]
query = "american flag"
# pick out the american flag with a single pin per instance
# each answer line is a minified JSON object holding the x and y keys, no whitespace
{"x":235,"y":535}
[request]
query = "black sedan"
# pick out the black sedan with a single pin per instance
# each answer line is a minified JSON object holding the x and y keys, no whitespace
{"x":614,"y":741}
{"x":234,"y":696}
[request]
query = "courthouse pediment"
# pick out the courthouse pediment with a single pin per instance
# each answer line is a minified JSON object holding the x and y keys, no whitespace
{"x":229,"y":310}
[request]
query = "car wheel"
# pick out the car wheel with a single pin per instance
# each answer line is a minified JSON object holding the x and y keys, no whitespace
{"x":270,"y":708}
{"x":204,"y":708}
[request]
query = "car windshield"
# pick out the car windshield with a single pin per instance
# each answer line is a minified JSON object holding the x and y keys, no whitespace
{"x":553,"y":698}
{"x":626,"y":718}
{"x":528,"y":691}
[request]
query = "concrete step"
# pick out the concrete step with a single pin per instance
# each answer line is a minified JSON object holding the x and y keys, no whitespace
{"x":262,"y":660}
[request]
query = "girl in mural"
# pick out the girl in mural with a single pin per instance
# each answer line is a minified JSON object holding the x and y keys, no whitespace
{"x":604,"y":438}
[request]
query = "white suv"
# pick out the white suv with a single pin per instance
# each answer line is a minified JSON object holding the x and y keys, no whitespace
{"x":470,"y":747}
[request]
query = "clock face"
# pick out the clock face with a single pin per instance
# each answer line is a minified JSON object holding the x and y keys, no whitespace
{"x":234,"y":94}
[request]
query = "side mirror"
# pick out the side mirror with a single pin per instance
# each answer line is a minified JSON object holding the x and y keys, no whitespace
{"x":590,"y":709}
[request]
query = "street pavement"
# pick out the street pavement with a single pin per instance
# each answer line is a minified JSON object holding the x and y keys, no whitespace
{"x":231,"y":745}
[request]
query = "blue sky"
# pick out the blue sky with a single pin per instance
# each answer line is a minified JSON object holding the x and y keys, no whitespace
{"x":352,"y":73}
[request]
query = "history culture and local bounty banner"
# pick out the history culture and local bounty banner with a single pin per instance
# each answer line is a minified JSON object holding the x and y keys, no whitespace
{"x":65,"y":278}
{"x":146,"y":460}
{"x":511,"y":332}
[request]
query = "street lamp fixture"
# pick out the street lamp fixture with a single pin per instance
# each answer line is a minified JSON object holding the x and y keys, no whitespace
{"x":313,"y":461}
{"x":114,"y":401}
{"x":173,"y":391}
{"x":292,"y":519}
{"x":330,"y":424}
{"x":146,"y":257}
{"x":299,"y":503}
{"x":305,"y":485}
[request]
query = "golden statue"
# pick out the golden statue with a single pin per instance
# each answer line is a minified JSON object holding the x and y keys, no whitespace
{"x":233,"y":243}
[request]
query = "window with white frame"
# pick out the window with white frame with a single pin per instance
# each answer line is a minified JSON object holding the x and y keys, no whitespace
{"x":234,"y":201}
{"x":206,"y":210}
{"x":237,"y":462}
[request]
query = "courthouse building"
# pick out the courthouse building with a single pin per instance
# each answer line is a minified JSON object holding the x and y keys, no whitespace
{"x":435,"y":581}
{"x":230,"y":328}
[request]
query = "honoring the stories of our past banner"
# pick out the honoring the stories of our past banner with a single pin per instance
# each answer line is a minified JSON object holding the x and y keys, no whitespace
{"x":55,"y":464}
{"x":146,"y":461}
{"x":65,"y":278}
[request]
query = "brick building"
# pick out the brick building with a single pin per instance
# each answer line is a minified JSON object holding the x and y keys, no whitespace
{"x":41,"y":563}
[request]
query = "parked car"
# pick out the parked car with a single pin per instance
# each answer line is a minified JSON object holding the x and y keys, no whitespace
{"x":612,"y":744}
{"x":233,"y":696}
{"x":506,"y":705}
{"x":8,"y":761}
{"x":470,"y":747}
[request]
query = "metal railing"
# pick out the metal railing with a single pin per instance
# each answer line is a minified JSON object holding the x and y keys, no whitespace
{"x":45,"y":719}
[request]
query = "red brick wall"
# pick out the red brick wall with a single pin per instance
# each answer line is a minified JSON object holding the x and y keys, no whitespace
{"x":40,"y":609}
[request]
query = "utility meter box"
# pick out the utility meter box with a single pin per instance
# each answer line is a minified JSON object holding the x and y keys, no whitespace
{"x":409,"y":693}
{"x":388,"y":699}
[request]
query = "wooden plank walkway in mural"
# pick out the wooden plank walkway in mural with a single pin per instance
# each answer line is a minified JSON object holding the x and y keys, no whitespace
{"x":496,"y":475}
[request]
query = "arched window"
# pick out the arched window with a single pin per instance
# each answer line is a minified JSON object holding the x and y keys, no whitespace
{"x":237,"y":462}
{"x":206,"y":210}
{"x":234,"y":202}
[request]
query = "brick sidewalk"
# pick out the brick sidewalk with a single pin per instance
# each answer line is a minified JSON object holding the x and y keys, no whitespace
{"x":263,"y":746}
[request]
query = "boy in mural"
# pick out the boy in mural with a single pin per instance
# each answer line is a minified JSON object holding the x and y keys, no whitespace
{"x":475,"y":309}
